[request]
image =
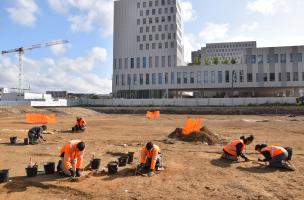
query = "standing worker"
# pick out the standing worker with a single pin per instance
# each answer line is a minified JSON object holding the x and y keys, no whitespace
{"x":150,"y":158}
{"x":71,"y":158}
{"x":276,"y":156}
{"x":80,"y":125}
{"x":35,"y":133}
{"x":236,"y":148}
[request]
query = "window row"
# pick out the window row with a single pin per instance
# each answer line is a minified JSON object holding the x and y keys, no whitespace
{"x":156,"y":20}
{"x":203,"y":77}
{"x":156,"y":3}
{"x":159,"y":45}
{"x":274,"y":58}
{"x":230,"y":46}
{"x":158,"y":11}
{"x":144,"y":62}
{"x":163,"y":36}
{"x":147,"y":29}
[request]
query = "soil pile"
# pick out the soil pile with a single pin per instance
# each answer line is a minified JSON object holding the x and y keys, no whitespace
{"x":204,"y":135}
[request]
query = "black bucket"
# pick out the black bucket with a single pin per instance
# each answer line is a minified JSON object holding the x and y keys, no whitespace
{"x":4,"y":175}
{"x":26,"y":141}
{"x":95,"y":163}
{"x":131,"y":156}
{"x":49,"y":168}
{"x":13,"y":140}
{"x":31,"y":171}
{"x":113,"y":167}
{"x":123,"y":160}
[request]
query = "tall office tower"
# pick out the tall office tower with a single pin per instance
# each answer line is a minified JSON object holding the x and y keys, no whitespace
{"x":147,"y":45}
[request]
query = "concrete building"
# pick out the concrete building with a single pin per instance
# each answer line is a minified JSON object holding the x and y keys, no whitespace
{"x":148,"y":59}
{"x":58,"y":94}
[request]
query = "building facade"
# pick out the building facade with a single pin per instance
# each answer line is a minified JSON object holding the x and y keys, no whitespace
{"x":148,"y":59}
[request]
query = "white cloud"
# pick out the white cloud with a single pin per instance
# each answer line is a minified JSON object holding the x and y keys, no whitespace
{"x":188,"y":13}
{"x":60,"y":49}
{"x":23,"y":12}
{"x":86,"y":16}
{"x":268,"y":7}
{"x":213,"y":32}
{"x":70,"y":74}
{"x":249,"y":27}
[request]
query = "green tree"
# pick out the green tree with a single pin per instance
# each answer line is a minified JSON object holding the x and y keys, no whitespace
{"x":197,"y":61}
{"x":233,"y":61}
{"x":215,"y":60}
{"x":226,"y":61}
{"x":207,"y":61}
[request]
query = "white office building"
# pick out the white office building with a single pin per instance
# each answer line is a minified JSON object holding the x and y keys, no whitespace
{"x":148,"y":59}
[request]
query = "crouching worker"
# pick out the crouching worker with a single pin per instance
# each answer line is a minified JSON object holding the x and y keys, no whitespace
{"x":35,"y":133}
{"x":71,"y":158}
{"x":150,"y":159}
{"x":236,"y":148}
{"x":275,"y":155}
{"x":80,"y":125}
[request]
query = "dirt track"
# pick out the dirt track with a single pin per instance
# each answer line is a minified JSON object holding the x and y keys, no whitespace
{"x":193,"y":169}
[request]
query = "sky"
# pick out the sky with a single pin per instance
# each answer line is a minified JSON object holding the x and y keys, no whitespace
{"x":85,"y":63}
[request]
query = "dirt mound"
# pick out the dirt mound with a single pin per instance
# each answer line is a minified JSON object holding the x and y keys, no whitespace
{"x":76,"y":111}
{"x":17,"y":110}
{"x":204,"y":135}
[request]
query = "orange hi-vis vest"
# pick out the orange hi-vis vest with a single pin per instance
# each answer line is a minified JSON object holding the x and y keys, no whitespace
{"x":72,"y":153}
{"x":150,"y":154}
{"x":81,"y":122}
{"x":273,"y":150}
{"x":231,"y":148}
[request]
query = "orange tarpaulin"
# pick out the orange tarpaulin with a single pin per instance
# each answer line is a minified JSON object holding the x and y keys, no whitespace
{"x":192,"y":125}
{"x":33,"y":118}
{"x":153,"y":114}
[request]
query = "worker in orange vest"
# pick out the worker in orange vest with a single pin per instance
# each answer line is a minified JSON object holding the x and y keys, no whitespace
{"x":71,"y":158}
{"x":236,"y":148}
{"x":150,"y":158}
{"x":275,"y":155}
{"x":80,"y":125}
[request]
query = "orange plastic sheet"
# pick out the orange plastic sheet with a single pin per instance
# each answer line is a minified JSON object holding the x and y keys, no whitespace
{"x":192,"y":125}
{"x":153,"y":114}
{"x":33,"y":118}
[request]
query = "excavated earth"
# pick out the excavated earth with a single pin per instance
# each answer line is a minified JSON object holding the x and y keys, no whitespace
{"x":193,"y":169}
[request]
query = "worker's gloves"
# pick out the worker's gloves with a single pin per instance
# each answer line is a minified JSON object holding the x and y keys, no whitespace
{"x":78,"y":173}
{"x":72,"y":173}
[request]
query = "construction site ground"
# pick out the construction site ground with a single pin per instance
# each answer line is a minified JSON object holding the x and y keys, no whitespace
{"x":193,"y":170}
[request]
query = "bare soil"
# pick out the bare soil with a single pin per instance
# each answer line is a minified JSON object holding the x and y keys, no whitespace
{"x":193,"y":169}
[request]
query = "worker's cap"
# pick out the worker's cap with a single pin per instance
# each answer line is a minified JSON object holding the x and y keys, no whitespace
{"x":260,"y":146}
{"x":44,"y":127}
{"x":81,"y":146}
{"x":149,"y":145}
{"x":247,"y":138}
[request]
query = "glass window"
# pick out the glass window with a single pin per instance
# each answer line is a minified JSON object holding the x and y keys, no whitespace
{"x":150,"y":62}
{"x":144,"y":62}
{"x":116,"y":79}
{"x":163,"y":61}
{"x":138,"y":5}
{"x":280,"y":76}
{"x":120,"y":63}
{"x":241,"y":76}
{"x":132,"y":63}
{"x":260,"y":59}
{"x":219,"y":77}
{"x":191,"y":77}
{"x":283,"y":58}
{"x":153,"y":78}
{"x":295,"y":76}
{"x":122,"y":79}
{"x":138,"y":21}
{"x":160,"y":78}
{"x":212,"y":76}
{"x":114,"y":63}
{"x":166,"y":78}
{"x":134,"y":79}
{"x":141,"y":79}
{"x":147,"y":79}
{"x":249,"y":77}
{"x":287,"y":76}
{"x":172,"y":78}
{"x":185,"y":77}
{"x":138,"y":62}
{"x":179,"y":80}
{"x":129,"y":79}
{"x":141,"y":47}
{"x":156,"y":61}
{"x":272,"y":77}
{"x":199,"y":77}
{"x":265,"y":77}
{"x":302,"y":76}
{"x":169,"y":61}
{"x":227,"y":76}
{"x":205,"y":76}
{"x":257,"y":77}
{"x":126,"y":63}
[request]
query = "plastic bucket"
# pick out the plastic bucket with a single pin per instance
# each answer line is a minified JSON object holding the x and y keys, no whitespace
{"x":31,"y":171}
{"x":13,"y":140}
{"x":123,"y":160}
{"x":4,"y":175}
{"x":131,"y":156}
{"x":26,"y":141}
{"x":113,"y":167}
{"x":95,"y":163}
{"x":49,"y":168}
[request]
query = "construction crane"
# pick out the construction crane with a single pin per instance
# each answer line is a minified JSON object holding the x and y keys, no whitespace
{"x":21,"y":51}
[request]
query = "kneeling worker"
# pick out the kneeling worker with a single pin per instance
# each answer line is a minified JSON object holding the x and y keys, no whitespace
{"x":71,"y":158}
{"x":275,"y":155}
{"x":35,"y":133}
{"x":236,"y":148}
{"x":150,"y":158}
{"x":80,"y":125}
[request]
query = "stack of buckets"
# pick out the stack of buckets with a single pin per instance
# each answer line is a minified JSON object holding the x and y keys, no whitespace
{"x":122,"y":161}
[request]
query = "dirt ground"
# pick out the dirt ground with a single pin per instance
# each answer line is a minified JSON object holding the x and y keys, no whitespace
{"x":194,"y":170}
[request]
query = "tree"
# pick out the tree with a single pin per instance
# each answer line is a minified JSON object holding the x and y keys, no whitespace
{"x":233,"y":61}
{"x":207,"y":61}
{"x":197,"y":61}
{"x":226,"y":61}
{"x":215,"y":60}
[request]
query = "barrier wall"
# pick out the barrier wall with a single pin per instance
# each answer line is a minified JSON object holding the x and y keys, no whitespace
{"x":15,"y":103}
{"x":183,"y":102}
